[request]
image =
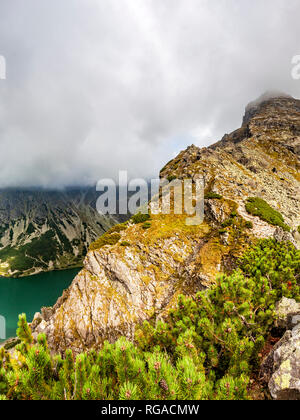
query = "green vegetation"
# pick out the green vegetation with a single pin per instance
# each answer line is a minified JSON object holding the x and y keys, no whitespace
{"x":208,"y":348}
{"x":30,"y":229}
{"x":140,"y":218}
{"x":64,"y":245}
{"x":260,"y":208}
{"x":212,"y":196}
{"x":3,"y":229}
{"x":227,"y":223}
{"x":125,"y":243}
{"x":118,"y":228}
{"x":171,"y":178}
{"x":111,"y":237}
{"x":36,"y":253}
{"x":146,"y":225}
{"x":222,"y":231}
{"x":106,"y":239}
{"x":248,"y":225}
{"x":165,"y":167}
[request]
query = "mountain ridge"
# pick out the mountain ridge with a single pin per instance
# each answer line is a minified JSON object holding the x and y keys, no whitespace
{"x":140,"y":274}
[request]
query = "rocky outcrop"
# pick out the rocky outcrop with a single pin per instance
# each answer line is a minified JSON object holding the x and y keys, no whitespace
{"x":140,"y":276}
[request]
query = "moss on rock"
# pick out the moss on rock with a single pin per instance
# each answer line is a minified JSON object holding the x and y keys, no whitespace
{"x":260,"y":208}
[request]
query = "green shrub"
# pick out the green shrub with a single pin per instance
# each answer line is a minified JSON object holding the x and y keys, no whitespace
{"x":249,"y":224}
{"x":106,"y":239}
{"x":111,"y":237}
{"x":235,"y":317}
{"x":125,"y":243}
{"x":260,"y":208}
{"x":146,"y":225}
{"x":38,"y":252}
{"x":171,"y":178}
{"x":222,"y":231}
{"x":227,"y":223}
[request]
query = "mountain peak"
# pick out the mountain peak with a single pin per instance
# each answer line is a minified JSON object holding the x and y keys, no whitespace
{"x":269,"y":99}
{"x":267,"y":96}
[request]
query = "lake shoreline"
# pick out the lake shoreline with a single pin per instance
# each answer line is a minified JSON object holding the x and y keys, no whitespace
{"x":29,"y":294}
{"x":72,"y":267}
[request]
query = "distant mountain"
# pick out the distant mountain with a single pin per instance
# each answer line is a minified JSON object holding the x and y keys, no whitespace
{"x":44,"y":230}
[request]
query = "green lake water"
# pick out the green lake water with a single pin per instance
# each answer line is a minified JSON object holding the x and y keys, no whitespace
{"x":28,"y":294}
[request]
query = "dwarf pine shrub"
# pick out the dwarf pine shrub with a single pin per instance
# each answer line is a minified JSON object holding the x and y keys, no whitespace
{"x":106,"y":239}
{"x":206,"y":349}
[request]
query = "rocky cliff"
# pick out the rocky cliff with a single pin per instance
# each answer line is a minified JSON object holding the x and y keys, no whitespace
{"x":44,"y":230}
{"x":138,"y":273}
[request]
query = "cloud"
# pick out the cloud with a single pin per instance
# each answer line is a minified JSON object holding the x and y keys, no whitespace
{"x":98,"y":86}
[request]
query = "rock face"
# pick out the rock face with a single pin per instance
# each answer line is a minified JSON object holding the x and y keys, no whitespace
{"x":287,"y":311}
{"x":141,"y":276}
{"x":118,"y":289}
{"x":285,"y":382}
{"x":45,"y":230}
{"x":281,"y":368}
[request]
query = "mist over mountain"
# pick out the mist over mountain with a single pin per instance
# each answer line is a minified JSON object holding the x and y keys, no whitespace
{"x":94,"y":87}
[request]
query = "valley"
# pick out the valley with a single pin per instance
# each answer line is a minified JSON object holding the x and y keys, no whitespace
{"x":43,"y":230}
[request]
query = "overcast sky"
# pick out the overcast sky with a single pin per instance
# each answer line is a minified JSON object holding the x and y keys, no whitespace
{"x":98,"y":86}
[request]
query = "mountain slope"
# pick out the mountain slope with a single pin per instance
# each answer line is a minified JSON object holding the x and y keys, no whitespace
{"x":141,"y":275}
{"x":44,"y":230}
